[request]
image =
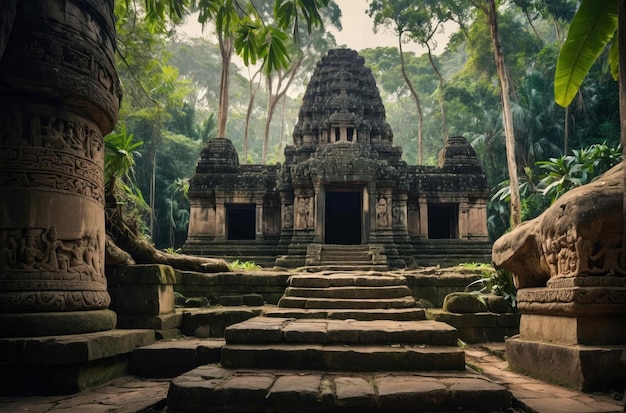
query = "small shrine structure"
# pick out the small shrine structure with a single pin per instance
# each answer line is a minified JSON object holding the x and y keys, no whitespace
{"x":343,"y":183}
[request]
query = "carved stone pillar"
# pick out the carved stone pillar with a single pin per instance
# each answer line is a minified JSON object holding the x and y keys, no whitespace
{"x":59,"y":95}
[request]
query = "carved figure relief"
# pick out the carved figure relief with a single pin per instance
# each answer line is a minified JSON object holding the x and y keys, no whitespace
{"x":579,"y":235}
{"x":398,"y":216}
{"x":288,"y":218}
{"x":42,"y":251}
{"x":303,"y":213}
{"x":382,"y":218}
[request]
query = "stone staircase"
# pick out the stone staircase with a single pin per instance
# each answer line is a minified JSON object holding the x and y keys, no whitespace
{"x":343,"y":342}
{"x":347,"y":291}
{"x":337,"y":257}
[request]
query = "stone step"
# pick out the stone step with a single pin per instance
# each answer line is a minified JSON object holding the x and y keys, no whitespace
{"x":265,"y":391}
{"x":397,"y":314}
{"x":344,"y":280}
{"x":329,"y":303}
{"x":344,"y":267}
{"x":166,"y":359}
{"x":263,"y":330}
{"x":339,"y":357}
{"x":352,"y":255}
{"x":393,"y":291}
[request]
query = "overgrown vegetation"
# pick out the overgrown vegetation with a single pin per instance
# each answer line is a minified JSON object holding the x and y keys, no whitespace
{"x":494,"y":281}
{"x":243,"y":266}
{"x":171,"y":95}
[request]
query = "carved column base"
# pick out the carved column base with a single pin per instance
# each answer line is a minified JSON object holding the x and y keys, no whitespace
{"x":56,"y":323}
{"x":580,"y":367}
{"x":571,"y":332}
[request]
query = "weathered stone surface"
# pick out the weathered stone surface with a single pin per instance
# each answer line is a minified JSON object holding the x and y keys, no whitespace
{"x":333,"y":391}
{"x":274,"y":330}
{"x":59,"y":99}
{"x":212,"y":322}
{"x":354,"y":392}
{"x":343,"y":358}
{"x":579,"y":235}
{"x":404,"y":393}
{"x":69,"y":363}
{"x":463,"y":303}
{"x":45,"y":324}
{"x":299,"y":392}
{"x":573,"y":301}
{"x":573,"y":330}
{"x":580,"y":367}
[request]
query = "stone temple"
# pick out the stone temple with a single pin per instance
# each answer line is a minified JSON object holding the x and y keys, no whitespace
{"x":343,"y":195}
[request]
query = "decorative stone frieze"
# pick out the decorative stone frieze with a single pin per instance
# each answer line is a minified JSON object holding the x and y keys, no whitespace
{"x":59,"y":95}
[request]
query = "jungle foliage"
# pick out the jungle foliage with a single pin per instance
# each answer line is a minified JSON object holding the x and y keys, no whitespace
{"x":171,"y":86}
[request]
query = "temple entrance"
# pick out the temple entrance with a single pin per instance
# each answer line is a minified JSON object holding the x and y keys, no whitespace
{"x":443,"y":221}
{"x":343,"y":218}
{"x":240,"y":221}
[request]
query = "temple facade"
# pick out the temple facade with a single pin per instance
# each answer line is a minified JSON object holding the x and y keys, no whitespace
{"x":343,"y":183}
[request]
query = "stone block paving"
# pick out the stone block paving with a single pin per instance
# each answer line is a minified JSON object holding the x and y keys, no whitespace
{"x":532,"y":395}
{"x":287,"y":391}
{"x":133,"y":395}
{"x":124,"y":395}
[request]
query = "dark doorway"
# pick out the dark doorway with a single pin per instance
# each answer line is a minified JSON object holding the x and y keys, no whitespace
{"x":240,"y":221}
{"x":343,"y":218}
{"x":442,"y":221}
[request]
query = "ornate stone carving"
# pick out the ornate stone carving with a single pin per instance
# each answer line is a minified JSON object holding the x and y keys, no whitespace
{"x":382,"y":213}
{"x":580,"y":235}
{"x":398,"y":216}
{"x":59,"y":95}
{"x":44,"y":273}
{"x":304,"y":213}
{"x":288,"y":217}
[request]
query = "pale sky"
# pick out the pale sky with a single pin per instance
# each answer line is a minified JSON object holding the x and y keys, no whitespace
{"x":358,"y":30}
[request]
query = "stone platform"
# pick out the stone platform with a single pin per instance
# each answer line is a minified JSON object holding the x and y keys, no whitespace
{"x":315,"y":391}
{"x":66,"y":364}
{"x":342,"y":345}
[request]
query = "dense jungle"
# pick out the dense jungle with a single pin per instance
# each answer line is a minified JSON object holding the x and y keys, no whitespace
{"x":179,"y":91}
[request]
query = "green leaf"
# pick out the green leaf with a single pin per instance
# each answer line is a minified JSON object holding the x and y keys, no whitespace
{"x":274,"y":50}
{"x":592,"y":28}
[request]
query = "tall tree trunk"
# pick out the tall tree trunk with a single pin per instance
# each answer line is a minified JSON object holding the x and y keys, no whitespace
{"x":246,"y":129}
{"x":226,"y":50}
{"x":274,"y":98}
{"x":420,"y":115}
{"x":444,"y":122}
{"x":492,"y":16}
{"x":621,"y":34}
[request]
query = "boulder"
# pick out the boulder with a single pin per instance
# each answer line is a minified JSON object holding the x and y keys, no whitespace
{"x":464,"y":303}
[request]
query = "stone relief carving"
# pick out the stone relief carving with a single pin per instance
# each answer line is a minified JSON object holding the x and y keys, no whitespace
{"x":398,"y":216}
{"x":41,"y":251}
{"x":53,"y":153}
{"x":304,"y":213}
{"x":382,"y":213}
{"x":288,"y":217}
{"x":579,"y":235}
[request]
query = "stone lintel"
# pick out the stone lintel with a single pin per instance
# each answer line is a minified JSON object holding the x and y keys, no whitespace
{"x":573,"y":330}
{"x":580,"y":367}
{"x":573,"y":301}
